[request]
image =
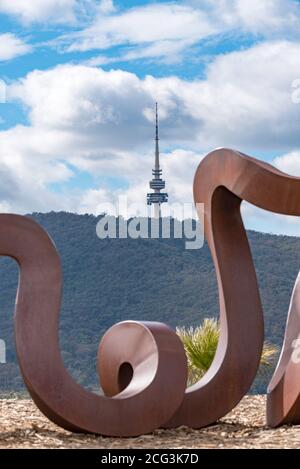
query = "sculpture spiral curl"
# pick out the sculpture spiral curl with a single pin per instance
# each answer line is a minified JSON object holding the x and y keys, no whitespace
{"x":142,"y":366}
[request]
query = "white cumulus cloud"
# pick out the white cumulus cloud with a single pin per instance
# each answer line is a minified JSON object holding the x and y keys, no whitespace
{"x":289,"y":163}
{"x":11,"y":46}
{"x":101,"y":122}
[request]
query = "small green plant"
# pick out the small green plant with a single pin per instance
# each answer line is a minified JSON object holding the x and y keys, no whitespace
{"x":200,"y":344}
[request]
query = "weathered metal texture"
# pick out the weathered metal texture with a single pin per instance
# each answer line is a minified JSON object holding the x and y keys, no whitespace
{"x":223,"y":180}
{"x":154,"y":351}
{"x":142,"y":366}
{"x":283,"y":403}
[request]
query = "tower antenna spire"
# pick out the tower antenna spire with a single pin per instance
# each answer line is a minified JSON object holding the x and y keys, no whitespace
{"x":157,"y":184}
{"x":157,"y":167}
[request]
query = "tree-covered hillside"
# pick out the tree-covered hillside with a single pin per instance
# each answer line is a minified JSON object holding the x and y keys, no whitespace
{"x":106,"y":281}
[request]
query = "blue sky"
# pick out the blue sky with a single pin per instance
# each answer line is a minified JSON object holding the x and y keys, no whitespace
{"x":82,"y":77}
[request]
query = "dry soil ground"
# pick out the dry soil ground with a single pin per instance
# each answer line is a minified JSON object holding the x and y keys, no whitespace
{"x":23,"y":426}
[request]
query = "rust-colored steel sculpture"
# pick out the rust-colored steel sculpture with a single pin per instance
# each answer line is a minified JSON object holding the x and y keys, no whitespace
{"x":223,"y":180}
{"x":283,"y":404}
{"x":142,"y":366}
{"x":153,"y":350}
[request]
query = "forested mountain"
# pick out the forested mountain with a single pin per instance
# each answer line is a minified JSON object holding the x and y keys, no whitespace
{"x":106,"y":281}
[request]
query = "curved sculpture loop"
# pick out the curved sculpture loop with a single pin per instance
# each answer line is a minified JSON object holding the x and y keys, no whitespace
{"x":153,"y":350}
{"x":142,"y":366}
{"x":223,"y":180}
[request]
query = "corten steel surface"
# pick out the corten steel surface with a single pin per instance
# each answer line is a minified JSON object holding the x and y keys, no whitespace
{"x":283,"y":404}
{"x":142,"y":366}
{"x":223,"y":180}
{"x":153,"y":350}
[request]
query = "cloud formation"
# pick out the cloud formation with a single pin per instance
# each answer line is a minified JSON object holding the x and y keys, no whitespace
{"x":11,"y":46}
{"x":167,"y":30}
{"x":244,"y":100}
{"x":68,"y":12}
{"x":289,"y":163}
{"x":84,"y":119}
{"x":87,"y":122}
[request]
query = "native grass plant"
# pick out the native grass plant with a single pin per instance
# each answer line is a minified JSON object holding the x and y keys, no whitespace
{"x":200,"y":344}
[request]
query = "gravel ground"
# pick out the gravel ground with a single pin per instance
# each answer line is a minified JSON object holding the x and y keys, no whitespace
{"x":23,"y":426}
